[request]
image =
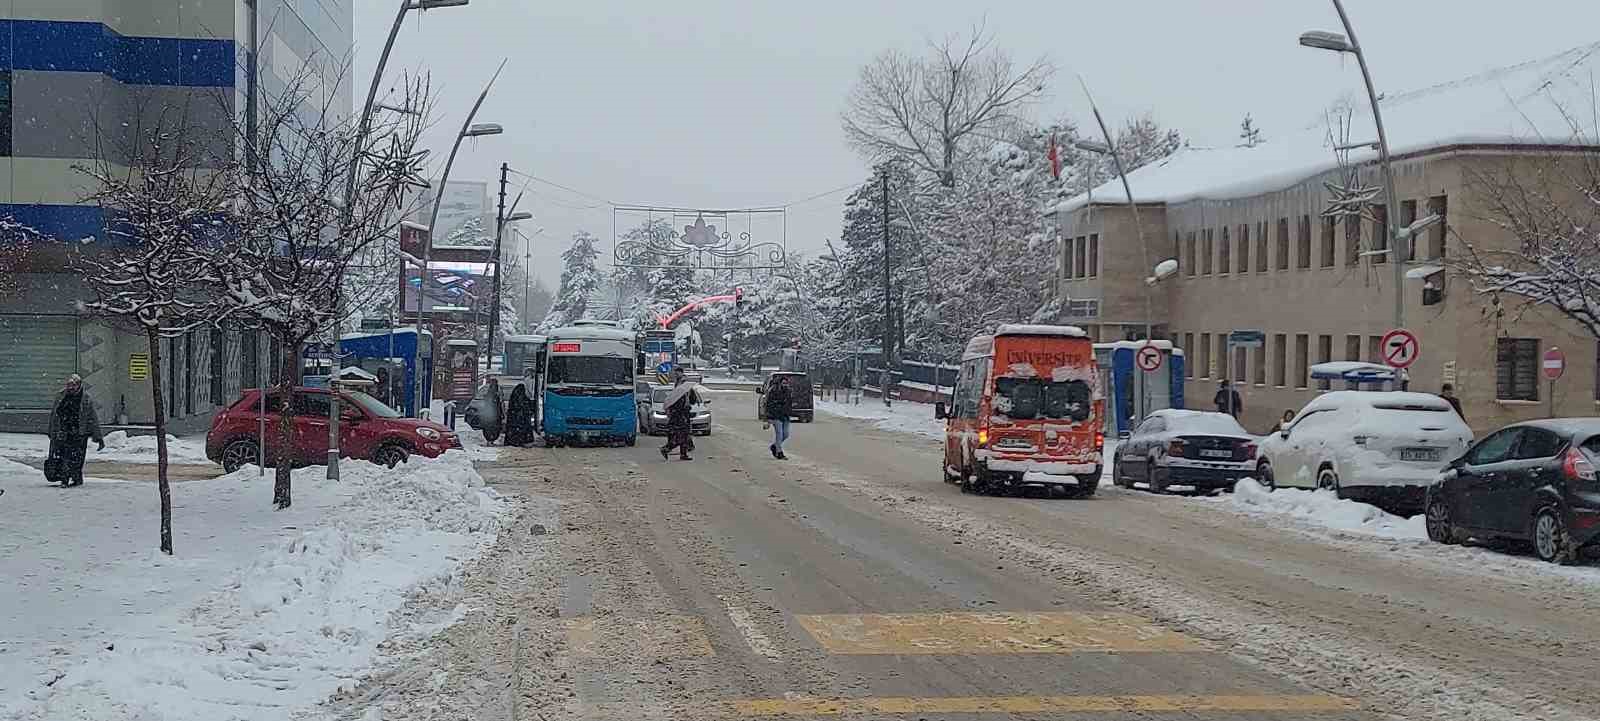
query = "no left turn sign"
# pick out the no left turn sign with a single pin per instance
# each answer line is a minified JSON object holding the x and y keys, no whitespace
{"x":1148,"y":359}
{"x":1400,"y":348}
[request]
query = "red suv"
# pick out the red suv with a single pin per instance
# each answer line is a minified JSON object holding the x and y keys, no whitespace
{"x":367,"y":429}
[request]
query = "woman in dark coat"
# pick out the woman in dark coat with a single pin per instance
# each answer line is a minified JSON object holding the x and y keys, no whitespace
{"x":519,"y":418}
{"x":680,"y":408}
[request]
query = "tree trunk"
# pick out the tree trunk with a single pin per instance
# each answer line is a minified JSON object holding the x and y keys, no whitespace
{"x":283,"y":457}
{"x":158,"y":406}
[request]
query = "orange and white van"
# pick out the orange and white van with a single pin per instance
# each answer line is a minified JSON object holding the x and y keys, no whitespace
{"x":1026,"y":410}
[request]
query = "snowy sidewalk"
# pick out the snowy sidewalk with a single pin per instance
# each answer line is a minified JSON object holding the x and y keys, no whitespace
{"x":260,"y":613}
{"x":903,"y":416}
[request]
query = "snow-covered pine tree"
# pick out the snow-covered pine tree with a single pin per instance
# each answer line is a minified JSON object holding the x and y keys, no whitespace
{"x":580,"y":279}
{"x":1249,"y":134}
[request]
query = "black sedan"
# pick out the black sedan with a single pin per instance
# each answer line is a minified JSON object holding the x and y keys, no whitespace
{"x":1200,"y":449}
{"x":1532,"y":482}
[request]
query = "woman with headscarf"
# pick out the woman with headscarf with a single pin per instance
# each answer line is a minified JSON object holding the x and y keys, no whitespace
{"x":519,"y":417}
{"x":680,"y":409}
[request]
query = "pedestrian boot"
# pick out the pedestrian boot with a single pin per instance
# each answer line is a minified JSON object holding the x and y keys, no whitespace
{"x":666,"y":454}
{"x":773,"y":449}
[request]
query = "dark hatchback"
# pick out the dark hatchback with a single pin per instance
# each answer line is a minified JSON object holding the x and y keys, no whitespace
{"x":1532,"y":482}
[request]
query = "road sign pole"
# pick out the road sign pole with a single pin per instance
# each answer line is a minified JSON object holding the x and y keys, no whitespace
{"x":1552,"y":398}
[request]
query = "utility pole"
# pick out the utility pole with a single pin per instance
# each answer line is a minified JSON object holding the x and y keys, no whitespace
{"x":499,"y":233}
{"x":888,"y":302}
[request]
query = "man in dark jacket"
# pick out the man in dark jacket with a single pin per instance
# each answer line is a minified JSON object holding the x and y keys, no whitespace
{"x":780,"y":406}
{"x":1228,"y":401}
{"x":72,"y":423}
{"x":1448,"y":393}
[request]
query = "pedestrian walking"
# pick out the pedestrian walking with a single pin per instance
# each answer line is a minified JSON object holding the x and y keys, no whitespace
{"x":1448,"y":393}
{"x":73,"y":423}
{"x":1228,"y":400}
{"x":1286,"y":421}
{"x":780,"y":405}
{"x":680,"y":409}
{"x":519,"y":417}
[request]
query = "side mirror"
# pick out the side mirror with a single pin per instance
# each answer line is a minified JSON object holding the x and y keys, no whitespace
{"x":1124,"y":435}
{"x":940,"y":411}
{"x":1283,"y":433}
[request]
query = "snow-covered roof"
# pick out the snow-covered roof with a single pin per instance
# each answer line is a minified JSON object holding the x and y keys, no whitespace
{"x":1534,"y":103}
{"x":1377,"y":398}
{"x":1135,"y":344}
{"x":981,"y":346}
{"x":1346,"y":369}
{"x":525,"y":339}
{"x":356,"y":372}
{"x":1069,"y":331}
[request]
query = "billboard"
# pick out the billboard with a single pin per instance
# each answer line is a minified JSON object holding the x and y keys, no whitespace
{"x":451,"y":286}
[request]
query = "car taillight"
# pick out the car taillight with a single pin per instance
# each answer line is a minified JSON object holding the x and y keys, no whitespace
{"x":1249,"y":450}
{"x":1360,"y":440}
{"x":1099,"y":439}
{"x":983,"y":438}
{"x":1575,"y":467}
{"x":1175,"y":448}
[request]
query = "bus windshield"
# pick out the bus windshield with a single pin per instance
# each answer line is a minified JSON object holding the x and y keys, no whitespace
{"x":1032,"y":398}
{"x":589,"y":370}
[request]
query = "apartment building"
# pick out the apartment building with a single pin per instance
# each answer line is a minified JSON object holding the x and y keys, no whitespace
{"x":1256,"y":252}
{"x":78,"y":80}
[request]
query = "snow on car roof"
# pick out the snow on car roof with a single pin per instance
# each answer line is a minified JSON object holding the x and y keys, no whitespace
{"x":981,"y":346}
{"x":1069,"y":331}
{"x":1534,"y":103}
{"x":1378,"y":399}
{"x":1206,"y":421}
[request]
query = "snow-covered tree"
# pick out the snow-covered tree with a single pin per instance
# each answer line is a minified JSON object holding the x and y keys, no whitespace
{"x":580,"y":280}
{"x":299,"y":241}
{"x":931,"y":110}
{"x":1249,"y":134}
{"x":1142,"y":141}
{"x":159,"y":265}
{"x":470,"y":234}
{"x":16,"y":242}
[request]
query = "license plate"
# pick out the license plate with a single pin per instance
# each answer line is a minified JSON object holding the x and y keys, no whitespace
{"x":1209,"y":453}
{"x":1419,"y":454}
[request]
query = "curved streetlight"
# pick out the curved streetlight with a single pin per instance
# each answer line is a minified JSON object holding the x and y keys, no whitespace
{"x":468,"y":130}
{"x":1347,"y":43}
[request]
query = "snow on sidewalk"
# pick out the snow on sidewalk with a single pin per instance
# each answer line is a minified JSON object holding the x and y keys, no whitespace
{"x":903,"y":416}
{"x":1323,"y":509}
{"x":260,"y":614}
{"x":120,"y":448}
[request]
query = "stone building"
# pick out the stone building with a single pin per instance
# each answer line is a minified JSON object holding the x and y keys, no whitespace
{"x":1255,"y":251}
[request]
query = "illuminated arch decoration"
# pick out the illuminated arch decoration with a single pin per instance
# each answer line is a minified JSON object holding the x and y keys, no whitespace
{"x":711,"y":240}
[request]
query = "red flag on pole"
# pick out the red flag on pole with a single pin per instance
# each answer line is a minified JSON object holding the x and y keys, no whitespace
{"x":1055,"y":158}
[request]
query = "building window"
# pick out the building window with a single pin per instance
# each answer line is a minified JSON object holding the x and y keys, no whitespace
{"x":1261,"y":247}
{"x":1188,"y":253}
{"x":1244,"y":248}
{"x":1516,"y":369}
{"x":1408,"y":215}
{"x":1260,"y":360}
{"x":1375,"y":349}
{"x":1225,"y":263}
{"x":1352,"y":240}
{"x":1302,"y":252}
{"x":1094,"y":255}
{"x":1380,"y":233}
{"x":1240,"y":364}
{"x":1221,"y":355}
{"x":1327,"y":249}
{"x":1283,"y":244}
{"x":1324,"y":354}
{"x":1302,"y":364}
{"x":1079,"y":248}
{"x":5,"y":114}
{"x":1210,"y":254}
{"x":1280,"y":359}
{"x":1205,"y":355}
{"x":1352,"y":352}
{"x":1437,"y":205}
{"x":1188,"y":346}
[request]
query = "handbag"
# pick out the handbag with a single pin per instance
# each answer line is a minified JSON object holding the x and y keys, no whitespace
{"x":53,"y":464}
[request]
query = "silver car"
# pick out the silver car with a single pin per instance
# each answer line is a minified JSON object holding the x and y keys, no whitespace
{"x":653,"y":413}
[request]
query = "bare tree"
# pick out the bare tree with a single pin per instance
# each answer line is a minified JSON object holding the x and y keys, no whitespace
{"x":929,"y":109}
{"x":298,"y":248}
{"x":17,"y":242}
{"x":158,"y":264}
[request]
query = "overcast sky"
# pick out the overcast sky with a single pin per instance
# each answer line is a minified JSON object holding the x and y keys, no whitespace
{"x":734,"y":103}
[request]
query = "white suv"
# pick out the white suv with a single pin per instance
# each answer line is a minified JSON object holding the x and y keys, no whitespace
{"x":1380,"y":447}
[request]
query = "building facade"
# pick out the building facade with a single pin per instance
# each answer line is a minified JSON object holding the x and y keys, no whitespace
{"x":80,"y":81}
{"x":1255,"y":252}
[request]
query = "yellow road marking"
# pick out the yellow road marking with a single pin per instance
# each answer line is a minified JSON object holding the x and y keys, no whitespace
{"x":641,"y":637}
{"x":991,"y":633}
{"x":818,"y":706}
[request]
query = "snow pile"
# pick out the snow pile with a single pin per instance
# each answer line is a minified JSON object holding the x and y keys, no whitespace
{"x":287,"y":627}
{"x":902,"y":417}
{"x":1326,"y":510}
{"x":14,"y":472}
{"x":120,"y":448}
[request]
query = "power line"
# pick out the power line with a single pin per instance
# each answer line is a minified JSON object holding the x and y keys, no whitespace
{"x":592,"y":196}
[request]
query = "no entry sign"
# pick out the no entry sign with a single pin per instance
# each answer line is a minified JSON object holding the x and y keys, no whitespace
{"x":1400,"y":348}
{"x":1555,"y":363}
{"x":1148,"y":359}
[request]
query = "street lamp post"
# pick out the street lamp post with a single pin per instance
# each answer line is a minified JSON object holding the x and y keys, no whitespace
{"x":527,"y":276}
{"x":347,"y":213}
{"x":468,"y":130}
{"x":1335,"y":42}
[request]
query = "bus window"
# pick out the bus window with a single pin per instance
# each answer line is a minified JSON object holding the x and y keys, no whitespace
{"x":594,"y":370}
{"x":1070,"y":400}
{"x":1020,"y":398}
{"x":1030,"y":398}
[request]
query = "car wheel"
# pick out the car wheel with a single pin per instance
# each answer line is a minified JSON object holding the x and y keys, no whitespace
{"x":390,"y":455}
{"x":1550,"y":540}
{"x":1150,"y":477}
{"x":1441,"y":527}
{"x":1116,"y":472}
{"x":239,"y":454}
{"x":981,"y":484}
{"x":1264,"y":476}
{"x":1327,"y":480}
{"x":633,"y":440}
{"x":1086,"y":487}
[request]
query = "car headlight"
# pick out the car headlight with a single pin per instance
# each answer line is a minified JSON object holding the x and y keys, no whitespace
{"x":428,"y":433}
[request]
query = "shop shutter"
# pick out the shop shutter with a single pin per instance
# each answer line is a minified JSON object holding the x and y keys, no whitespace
{"x":36,"y":353}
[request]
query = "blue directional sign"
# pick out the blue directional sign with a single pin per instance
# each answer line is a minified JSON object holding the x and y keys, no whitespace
{"x":664,"y":368}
